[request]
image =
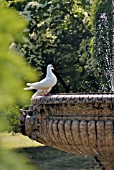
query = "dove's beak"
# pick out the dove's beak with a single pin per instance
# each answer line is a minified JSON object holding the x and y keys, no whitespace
{"x":52,"y":67}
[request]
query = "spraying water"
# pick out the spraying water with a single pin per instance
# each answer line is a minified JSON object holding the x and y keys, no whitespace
{"x":104,"y":47}
{"x":112,"y":72}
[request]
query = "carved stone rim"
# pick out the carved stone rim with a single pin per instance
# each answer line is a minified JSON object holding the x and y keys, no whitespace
{"x":75,"y":123}
{"x":73,"y":98}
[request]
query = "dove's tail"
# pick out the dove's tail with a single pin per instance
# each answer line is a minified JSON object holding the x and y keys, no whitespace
{"x":29,"y":84}
{"x":28,"y":88}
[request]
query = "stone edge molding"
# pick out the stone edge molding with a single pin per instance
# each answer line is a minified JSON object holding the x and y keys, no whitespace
{"x":75,"y":123}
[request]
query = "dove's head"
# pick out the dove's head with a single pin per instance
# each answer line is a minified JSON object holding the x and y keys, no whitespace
{"x":50,"y":66}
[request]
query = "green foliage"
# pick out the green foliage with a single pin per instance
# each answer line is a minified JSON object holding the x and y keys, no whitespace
{"x":13,"y":72}
{"x":59,"y":33}
{"x":13,"y":69}
{"x":11,"y":160}
{"x":67,"y":34}
{"x":11,"y":114}
{"x":99,"y":7}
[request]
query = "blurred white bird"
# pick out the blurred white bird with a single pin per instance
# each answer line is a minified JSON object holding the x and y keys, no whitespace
{"x":44,"y":86}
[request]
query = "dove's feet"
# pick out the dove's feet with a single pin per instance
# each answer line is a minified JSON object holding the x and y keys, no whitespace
{"x":48,"y":94}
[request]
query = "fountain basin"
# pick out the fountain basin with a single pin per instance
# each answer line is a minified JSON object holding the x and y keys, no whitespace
{"x":77,"y":123}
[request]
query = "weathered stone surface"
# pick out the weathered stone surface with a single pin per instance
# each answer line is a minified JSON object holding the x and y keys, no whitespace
{"x":79,"y":124}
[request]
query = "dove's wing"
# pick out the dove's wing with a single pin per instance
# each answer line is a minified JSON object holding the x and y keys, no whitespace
{"x":43,"y":84}
{"x":36,"y":83}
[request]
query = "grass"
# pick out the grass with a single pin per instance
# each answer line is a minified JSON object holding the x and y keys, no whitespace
{"x":46,"y":158}
{"x":9,"y":141}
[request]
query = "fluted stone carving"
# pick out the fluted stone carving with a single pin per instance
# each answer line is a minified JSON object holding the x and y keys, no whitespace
{"x":79,"y":124}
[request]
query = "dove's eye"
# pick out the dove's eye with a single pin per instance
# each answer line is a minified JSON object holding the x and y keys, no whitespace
{"x":51,"y":65}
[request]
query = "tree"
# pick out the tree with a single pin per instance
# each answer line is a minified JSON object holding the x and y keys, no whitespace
{"x":59,"y":33}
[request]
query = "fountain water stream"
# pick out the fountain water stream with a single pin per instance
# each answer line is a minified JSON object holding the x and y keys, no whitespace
{"x":104,"y":46}
{"x":112,"y":75}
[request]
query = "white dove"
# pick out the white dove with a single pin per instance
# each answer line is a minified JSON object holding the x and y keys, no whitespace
{"x":44,"y":86}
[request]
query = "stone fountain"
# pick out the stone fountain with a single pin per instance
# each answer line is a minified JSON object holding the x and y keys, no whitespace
{"x":75,"y":123}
